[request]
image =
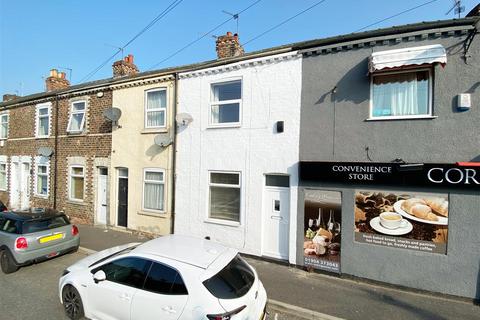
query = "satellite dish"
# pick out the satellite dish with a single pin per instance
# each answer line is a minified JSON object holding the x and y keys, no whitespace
{"x":112,"y":114}
{"x":162,"y":140}
{"x":183,"y":119}
{"x":45,"y":151}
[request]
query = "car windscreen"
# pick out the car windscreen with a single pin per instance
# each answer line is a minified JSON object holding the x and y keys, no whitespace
{"x":37,"y":225}
{"x":233,"y":281}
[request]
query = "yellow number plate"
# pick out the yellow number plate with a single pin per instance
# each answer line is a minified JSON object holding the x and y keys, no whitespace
{"x":51,"y":238}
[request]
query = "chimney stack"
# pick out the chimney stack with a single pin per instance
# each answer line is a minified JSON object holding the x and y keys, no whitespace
{"x":56,"y":81}
{"x":228,"y":46}
{"x":9,"y":97}
{"x":124,"y":67}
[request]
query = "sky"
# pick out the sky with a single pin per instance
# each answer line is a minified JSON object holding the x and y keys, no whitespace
{"x":37,"y":36}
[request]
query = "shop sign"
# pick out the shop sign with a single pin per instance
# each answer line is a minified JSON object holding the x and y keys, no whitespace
{"x":395,"y":174}
{"x":402,"y":220}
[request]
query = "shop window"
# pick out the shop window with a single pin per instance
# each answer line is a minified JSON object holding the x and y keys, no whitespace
{"x":224,"y":196}
{"x":76,"y":122}
{"x":405,"y":94}
{"x":225,"y":106}
{"x":42,"y":120}
{"x":77,"y":183}
{"x":4,"y":126}
{"x":155,"y":108}
{"x":3,"y":176}
{"x":153,"y":189}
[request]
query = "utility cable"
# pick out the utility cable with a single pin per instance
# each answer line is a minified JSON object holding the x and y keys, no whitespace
{"x":396,"y":15}
{"x":284,"y":21}
{"x":203,"y":36}
{"x":162,"y":14}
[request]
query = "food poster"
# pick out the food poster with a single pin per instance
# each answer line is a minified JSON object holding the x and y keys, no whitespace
{"x":322,"y":230}
{"x":413,"y":221}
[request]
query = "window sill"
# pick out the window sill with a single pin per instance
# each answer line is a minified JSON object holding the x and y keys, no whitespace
{"x":224,"y":126}
{"x":76,"y":133}
{"x":154,"y":130}
{"x":77,"y":202}
{"x":156,"y":214}
{"x":41,"y":196}
{"x":402,"y":118}
{"x":42,"y":137}
{"x":223,"y":222}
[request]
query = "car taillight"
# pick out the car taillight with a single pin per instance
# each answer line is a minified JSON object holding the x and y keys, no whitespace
{"x":21,"y":243}
{"x":225,"y":316}
{"x":74,"y":230}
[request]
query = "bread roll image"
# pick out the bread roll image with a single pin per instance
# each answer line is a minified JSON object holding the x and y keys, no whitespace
{"x":423,"y":211}
{"x":409,"y":203}
{"x":438,"y":205}
{"x":325,"y":233}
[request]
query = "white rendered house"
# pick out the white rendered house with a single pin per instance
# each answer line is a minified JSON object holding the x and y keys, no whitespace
{"x":237,"y":161}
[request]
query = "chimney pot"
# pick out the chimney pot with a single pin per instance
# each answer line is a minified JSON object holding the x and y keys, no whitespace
{"x":229,"y":33}
{"x":53,"y":73}
{"x":228,"y":46}
{"x":124,"y":67}
{"x":56,"y":81}
{"x":9,"y":97}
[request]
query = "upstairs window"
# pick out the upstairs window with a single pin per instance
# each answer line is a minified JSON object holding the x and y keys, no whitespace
{"x":43,"y":121}
{"x":3,"y":126}
{"x":155,"y":108}
{"x":77,"y":117}
{"x":404,"y":94}
{"x":225,"y":106}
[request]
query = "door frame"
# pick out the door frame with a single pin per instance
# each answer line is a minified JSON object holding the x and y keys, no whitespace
{"x":265,"y":216}
{"x":97,"y":196}
{"x":17,"y":178}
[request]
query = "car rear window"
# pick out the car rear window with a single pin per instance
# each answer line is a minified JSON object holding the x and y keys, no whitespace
{"x":8,"y":225}
{"x":231,"y":282}
{"x":44,"y":224}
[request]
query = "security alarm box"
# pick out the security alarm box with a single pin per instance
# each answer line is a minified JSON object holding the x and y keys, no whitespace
{"x":464,"y":101}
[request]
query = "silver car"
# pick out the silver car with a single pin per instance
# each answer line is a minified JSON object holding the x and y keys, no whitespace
{"x":35,"y":235}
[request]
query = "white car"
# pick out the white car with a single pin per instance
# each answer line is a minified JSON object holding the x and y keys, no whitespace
{"x":169,"y":278}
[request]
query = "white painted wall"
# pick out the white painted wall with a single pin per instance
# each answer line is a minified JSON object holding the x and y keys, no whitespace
{"x":271,"y":90}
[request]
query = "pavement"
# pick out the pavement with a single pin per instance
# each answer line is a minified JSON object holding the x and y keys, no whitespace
{"x":306,"y":295}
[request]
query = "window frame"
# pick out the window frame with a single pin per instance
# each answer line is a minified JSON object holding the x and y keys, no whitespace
{"x":429,"y":115}
{"x":213,"y":103}
{"x":39,"y":107}
{"x":46,"y":174}
{"x":238,"y":186}
{"x":6,"y":175}
{"x":72,"y":112}
{"x":2,"y":116}
{"x":154,"y":262}
{"x":70,"y":180}
{"x":146,"y":111}
{"x":145,"y":170}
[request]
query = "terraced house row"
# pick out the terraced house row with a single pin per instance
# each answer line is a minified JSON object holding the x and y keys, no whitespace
{"x":297,"y":153}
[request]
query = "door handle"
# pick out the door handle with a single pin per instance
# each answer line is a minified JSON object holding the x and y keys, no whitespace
{"x":124,"y":296}
{"x":104,"y":205}
{"x":277,"y":217}
{"x":169,"y":309}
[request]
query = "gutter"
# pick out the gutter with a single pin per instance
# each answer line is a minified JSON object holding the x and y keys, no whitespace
{"x":174,"y":152}
{"x":55,"y":153}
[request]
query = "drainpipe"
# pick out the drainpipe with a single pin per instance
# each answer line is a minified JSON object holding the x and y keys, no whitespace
{"x":56,"y":156}
{"x":174,"y":151}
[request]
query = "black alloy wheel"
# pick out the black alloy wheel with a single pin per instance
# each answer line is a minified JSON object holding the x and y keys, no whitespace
{"x":72,"y":303}
{"x":6,"y":262}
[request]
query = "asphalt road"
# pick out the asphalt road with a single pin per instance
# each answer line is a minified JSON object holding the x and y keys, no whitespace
{"x":31,"y":293}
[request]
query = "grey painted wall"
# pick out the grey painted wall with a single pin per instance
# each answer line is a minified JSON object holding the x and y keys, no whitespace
{"x":452,"y":136}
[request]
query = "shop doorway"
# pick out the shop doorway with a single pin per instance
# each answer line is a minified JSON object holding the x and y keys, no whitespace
{"x":122,"y":200}
{"x":102,"y":196}
{"x":20,"y":193}
{"x":276,"y":217}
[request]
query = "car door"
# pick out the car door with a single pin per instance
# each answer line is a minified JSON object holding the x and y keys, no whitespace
{"x":163,"y":296}
{"x":112,"y":298}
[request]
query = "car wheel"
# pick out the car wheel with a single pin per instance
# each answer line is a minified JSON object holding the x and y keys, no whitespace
{"x":72,"y":303}
{"x":6,"y":262}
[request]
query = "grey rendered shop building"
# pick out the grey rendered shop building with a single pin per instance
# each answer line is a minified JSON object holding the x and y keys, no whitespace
{"x":386,"y":116}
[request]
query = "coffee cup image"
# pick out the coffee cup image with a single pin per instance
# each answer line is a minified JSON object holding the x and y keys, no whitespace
{"x":392,"y":220}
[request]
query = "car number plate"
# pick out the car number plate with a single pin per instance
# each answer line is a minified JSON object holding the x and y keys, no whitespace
{"x":51,"y":238}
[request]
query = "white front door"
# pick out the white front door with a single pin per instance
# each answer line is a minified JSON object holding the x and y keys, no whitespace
{"x":102,"y":196}
{"x":20,"y":181}
{"x":25,"y":186}
{"x":15,"y":182}
{"x":276,"y":213}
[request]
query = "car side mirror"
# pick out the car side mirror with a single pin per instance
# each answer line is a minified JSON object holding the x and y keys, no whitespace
{"x":99,"y":276}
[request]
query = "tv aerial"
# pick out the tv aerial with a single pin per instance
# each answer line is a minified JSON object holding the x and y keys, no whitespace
{"x":113,"y":114}
{"x":235,"y":16}
{"x":45,"y":151}
{"x":183,"y":119}
{"x":457,"y":8}
{"x":163,"y":140}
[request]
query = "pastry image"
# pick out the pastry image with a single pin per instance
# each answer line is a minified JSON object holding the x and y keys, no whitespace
{"x":325,"y":233}
{"x":419,"y":208}
{"x":438,"y":205}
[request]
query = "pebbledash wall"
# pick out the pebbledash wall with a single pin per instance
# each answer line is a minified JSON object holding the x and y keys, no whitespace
{"x":270,"y":92}
{"x":334,"y":128}
{"x":89,"y":148}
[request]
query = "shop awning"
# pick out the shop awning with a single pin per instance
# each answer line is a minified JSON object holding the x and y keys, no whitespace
{"x":407,"y":57}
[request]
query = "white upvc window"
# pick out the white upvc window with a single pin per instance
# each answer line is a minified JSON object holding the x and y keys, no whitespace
{"x":4,"y":126}
{"x":155,"y":108}
{"x":226,"y":104}
{"x":42,"y":178}
{"x":401,"y":95}
{"x":42,"y":120}
{"x":224,"y":196}
{"x":3,"y":175}
{"x":76,"y":183}
{"x":76,"y":121}
{"x":153,"y":190}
